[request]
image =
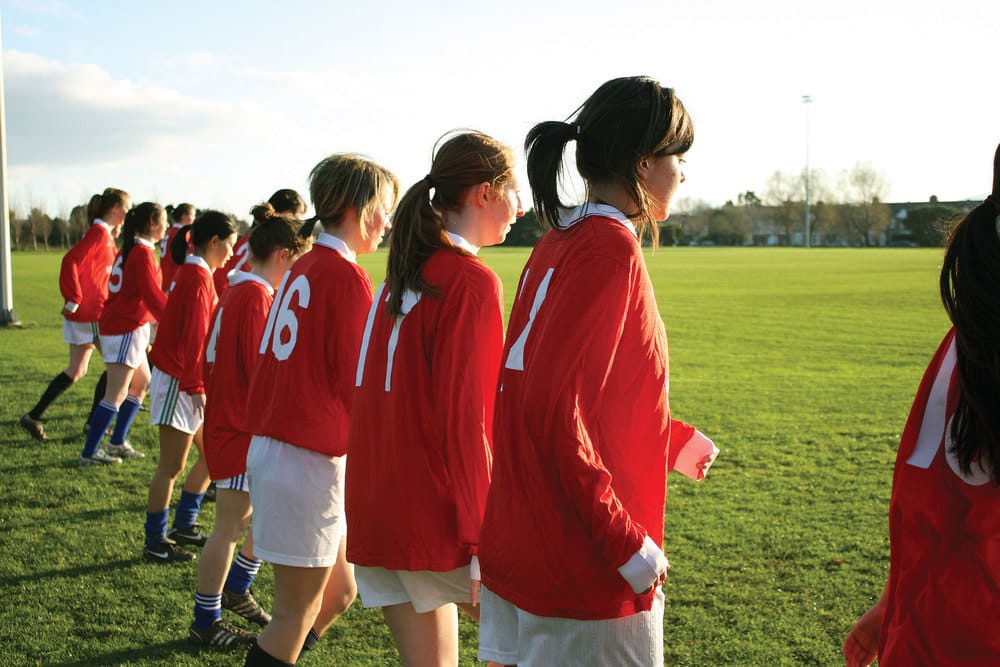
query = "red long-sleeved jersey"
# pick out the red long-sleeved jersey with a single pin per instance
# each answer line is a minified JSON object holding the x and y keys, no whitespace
{"x":134,"y":296}
{"x":179,"y":350}
{"x":303,"y":382}
{"x":168,"y":267}
{"x":83,"y":276}
{"x":943,"y":592}
{"x":230,"y":355}
{"x":583,"y":435}
{"x":421,"y":425}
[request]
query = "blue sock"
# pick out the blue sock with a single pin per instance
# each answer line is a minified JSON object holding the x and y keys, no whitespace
{"x":207,"y":609}
{"x":187,"y":510}
{"x":241,"y":574}
{"x":99,"y":423}
{"x":126,"y":413}
{"x":156,"y":527}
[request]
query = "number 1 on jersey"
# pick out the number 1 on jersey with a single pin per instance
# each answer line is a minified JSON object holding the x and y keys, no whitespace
{"x":515,"y":358}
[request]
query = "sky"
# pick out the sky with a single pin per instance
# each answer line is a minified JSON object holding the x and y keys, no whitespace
{"x":221,"y":102}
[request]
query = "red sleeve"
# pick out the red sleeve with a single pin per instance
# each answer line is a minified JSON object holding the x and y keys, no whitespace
{"x":197,"y":324}
{"x":566,"y":411}
{"x":148,"y":276}
{"x":466,"y":366}
{"x":680,"y":434}
{"x":69,"y":273}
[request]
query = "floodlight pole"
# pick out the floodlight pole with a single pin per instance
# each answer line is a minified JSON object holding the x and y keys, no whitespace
{"x":7,"y":315}
{"x":807,"y":100}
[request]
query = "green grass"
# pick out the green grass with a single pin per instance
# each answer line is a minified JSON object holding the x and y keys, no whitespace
{"x":801,"y":365}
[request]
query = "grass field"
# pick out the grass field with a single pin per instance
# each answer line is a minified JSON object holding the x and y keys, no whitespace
{"x":801,"y":365}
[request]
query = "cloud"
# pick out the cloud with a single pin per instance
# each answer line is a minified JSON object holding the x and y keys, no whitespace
{"x":80,"y":114}
{"x":27,"y":31}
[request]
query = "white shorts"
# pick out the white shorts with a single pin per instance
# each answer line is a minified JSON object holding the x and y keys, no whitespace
{"x":510,"y":636}
{"x":425,"y":590}
{"x":298,"y":503}
{"x":234,"y":483}
{"x":128,"y":349}
{"x":169,"y":406}
{"x":79,"y":333}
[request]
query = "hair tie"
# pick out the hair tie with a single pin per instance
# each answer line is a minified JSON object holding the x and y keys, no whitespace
{"x":576,"y":130}
{"x":430,"y":181}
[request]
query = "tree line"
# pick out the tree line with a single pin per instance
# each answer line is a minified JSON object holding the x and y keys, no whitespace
{"x":853,"y":212}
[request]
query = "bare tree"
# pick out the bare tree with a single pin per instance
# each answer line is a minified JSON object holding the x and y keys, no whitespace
{"x":41,"y":226}
{"x":865,"y":188}
{"x":781,"y":193}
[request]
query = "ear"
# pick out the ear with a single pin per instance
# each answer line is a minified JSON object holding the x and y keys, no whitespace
{"x":483,"y":193}
{"x":643,"y":167}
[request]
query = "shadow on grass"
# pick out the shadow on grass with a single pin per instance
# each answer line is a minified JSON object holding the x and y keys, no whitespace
{"x":151,"y":654}
{"x":82,"y":571}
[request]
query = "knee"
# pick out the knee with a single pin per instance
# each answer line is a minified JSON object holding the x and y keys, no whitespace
{"x":343,"y":601}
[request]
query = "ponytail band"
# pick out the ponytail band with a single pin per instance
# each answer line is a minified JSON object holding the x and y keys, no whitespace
{"x":576,"y":129}
{"x":430,"y":181}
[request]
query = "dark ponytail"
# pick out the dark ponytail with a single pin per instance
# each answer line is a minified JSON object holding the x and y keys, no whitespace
{"x":970,"y":291}
{"x":206,"y":226}
{"x":463,"y":161}
{"x":273,"y":230}
{"x":138,"y":221}
{"x":100,"y":205}
{"x":624,"y":121}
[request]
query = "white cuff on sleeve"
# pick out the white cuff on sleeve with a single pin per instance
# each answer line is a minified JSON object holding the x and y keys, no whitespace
{"x":474,"y":573}
{"x":692,"y":453}
{"x":72,"y":307}
{"x":645,"y":566}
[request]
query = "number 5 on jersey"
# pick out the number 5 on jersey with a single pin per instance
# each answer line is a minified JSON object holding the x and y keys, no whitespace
{"x":282,"y":330}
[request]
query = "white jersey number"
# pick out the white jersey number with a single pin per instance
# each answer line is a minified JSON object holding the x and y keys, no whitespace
{"x":243,"y":252}
{"x":515,"y":358}
{"x":115,"y":280}
{"x":282,"y":318}
{"x":410,"y":299}
{"x":210,"y":350}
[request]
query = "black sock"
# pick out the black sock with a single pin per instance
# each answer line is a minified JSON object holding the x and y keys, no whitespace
{"x":59,"y":384}
{"x":311,"y":640}
{"x":258,"y":657}
{"x":102,"y":386}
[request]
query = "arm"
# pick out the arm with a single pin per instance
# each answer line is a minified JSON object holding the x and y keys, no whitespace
{"x":861,"y":644}
{"x":466,"y":365}
{"x":199,"y":320}
{"x":69,"y":273}
{"x":577,"y":333}
{"x":148,"y":276}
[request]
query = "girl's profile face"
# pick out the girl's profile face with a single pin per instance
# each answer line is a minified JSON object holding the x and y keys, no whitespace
{"x":503,"y":210}
{"x":375,"y":226}
{"x":158,"y":227}
{"x":661,"y":176}
{"x":219,"y":250}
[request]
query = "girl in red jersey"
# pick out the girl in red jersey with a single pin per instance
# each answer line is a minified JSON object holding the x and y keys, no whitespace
{"x":134,"y":302}
{"x":83,"y":281}
{"x":229,"y":359}
{"x":571,"y":540}
{"x":941,"y":600}
{"x":284,"y":201}
{"x":421,"y":421}
{"x":182,"y":216}
{"x":300,"y":402}
{"x":178,"y":390}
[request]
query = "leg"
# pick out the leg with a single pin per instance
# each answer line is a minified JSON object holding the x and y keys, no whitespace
{"x":174,"y":447}
{"x":340,"y":591}
{"x":424,"y":640}
{"x":79,"y":359}
{"x":127,"y":410}
{"x":236,"y":594}
{"x":185,"y":529}
{"x":119,"y":377}
{"x":298,"y":596}
{"x":232,"y":518}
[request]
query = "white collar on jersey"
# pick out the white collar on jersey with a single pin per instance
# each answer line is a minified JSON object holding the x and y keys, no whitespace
{"x":336,"y":243}
{"x":98,"y":221}
{"x":462,"y":243}
{"x":145,"y":242}
{"x":571,"y":216}
{"x":176,"y":225}
{"x":240,"y":277}
{"x":195,"y":259}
